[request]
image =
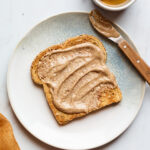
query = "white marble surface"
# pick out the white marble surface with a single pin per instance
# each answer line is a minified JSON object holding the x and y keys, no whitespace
{"x":18,"y":16}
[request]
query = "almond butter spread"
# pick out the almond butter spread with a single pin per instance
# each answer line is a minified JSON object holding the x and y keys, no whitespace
{"x":102,"y":25}
{"x":76,"y":76}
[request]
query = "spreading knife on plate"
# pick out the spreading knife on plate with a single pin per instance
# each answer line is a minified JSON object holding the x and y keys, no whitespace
{"x":105,"y":27}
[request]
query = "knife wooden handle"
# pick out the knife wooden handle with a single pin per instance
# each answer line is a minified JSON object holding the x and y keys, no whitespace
{"x":136,"y":60}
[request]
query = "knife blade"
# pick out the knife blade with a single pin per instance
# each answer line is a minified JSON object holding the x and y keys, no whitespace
{"x":106,"y":28}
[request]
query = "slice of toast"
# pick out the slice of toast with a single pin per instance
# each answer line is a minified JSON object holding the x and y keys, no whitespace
{"x":106,"y":98}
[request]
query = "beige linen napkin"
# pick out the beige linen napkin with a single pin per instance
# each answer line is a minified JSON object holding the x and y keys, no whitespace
{"x":7,"y":139}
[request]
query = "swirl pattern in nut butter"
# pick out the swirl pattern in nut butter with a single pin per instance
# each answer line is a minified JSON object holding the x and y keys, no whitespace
{"x":76,"y":77}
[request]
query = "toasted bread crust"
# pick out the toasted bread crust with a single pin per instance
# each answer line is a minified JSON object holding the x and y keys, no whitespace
{"x":107,"y":97}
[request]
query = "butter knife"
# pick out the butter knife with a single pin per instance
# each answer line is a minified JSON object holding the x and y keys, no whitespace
{"x":105,"y":27}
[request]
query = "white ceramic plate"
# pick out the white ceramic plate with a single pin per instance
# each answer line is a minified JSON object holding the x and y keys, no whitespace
{"x":29,"y":103}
